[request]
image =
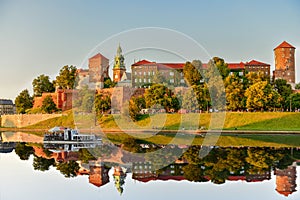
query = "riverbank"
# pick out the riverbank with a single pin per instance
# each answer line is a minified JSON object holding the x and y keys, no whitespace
{"x":231,"y":122}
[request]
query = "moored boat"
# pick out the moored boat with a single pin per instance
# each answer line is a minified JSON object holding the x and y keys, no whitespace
{"x":63,"y":134}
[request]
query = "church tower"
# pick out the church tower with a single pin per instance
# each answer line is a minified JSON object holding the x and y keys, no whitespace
{"x":285,"y":62}
{"x":119,"y":66}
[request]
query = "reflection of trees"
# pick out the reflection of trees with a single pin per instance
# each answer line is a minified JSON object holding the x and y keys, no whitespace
{"x":68,"y":169}
{"x":223,"y":162}
{"x":262,"y":159}
{"x":85,"y":155}
{"x":42,"y":164}
{"x":163,"y":156}
{"x":23,"y":151}
{"x":194,"y":173}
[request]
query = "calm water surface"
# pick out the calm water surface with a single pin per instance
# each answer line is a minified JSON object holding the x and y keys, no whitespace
{"x":41,"y":171}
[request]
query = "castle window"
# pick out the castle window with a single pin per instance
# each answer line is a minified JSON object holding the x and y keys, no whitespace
{"x":149,"y":81}
{"x":149,"y":73}
{"x":135,"y":72}
{"x":182,"y":81}
{"x":144,"y":73}
{"x":171,"y":73}
{"x":140,"y":80}
{"x":145,"y":80}
{"x":135,"y":80}
{"x":140,"y":73}
{"x":172,"y":80}
{"x":288,"y":73}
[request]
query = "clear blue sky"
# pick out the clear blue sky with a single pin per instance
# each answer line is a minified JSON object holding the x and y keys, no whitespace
{"x":39,"y":37}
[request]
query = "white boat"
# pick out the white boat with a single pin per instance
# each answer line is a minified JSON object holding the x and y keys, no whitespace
{"x":68,"y":134}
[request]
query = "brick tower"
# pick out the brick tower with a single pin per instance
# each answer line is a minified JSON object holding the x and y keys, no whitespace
{"x":119,"y":66}
{"x":285,"y":62}
{"x":98,"y":69}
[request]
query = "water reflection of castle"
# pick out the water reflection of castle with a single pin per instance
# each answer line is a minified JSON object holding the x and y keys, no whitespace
{"x":98,"y":170}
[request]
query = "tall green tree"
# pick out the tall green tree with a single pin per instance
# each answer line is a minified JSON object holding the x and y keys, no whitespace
{"x":192,"y":73}
{"x":259,"y":95}
{"x":136,"y":104}
{"x":293,"y":101}
{"x":66,"y":78}
{"x":215,"y":86}
{"x":222,"y":67}
{"x":235,"y":93}
{"x":102,"y":103}
{"x":23,"y":102}
{"x":42,"y":84}
{"x":284,"y":89}
{"x":48,"y":105}
{"x":160,"y":95}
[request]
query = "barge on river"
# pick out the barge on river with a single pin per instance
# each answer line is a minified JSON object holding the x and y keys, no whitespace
{"x":68,"y":135}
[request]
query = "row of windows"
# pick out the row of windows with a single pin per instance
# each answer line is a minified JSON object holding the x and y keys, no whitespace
{"x":149,"y":80}
{"x":144,"y":73}
{"x":260,"y":67}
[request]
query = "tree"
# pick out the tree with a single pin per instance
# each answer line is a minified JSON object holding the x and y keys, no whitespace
{"x":215,"y":85}
{"x":192,"y":74}
{"x":108,"y":83}
{"x":293,"y":101}
{"x":69,"y":169}
{"x":259,"y":96}
{"x":193,"y":173}
{"x":234,"y":88}
{"x":197,"y":97}
{"x":42,"y":164}
{"x":23,"y":151}
{"x":42,"y":84}
{"x":85,"y":100}
{"x":23,"y":102}
{"x":190,"y":101}
{"x":160,"y":95}
{"x":284,"y":89}
{"x":222,"y":67}
{"x":297,"y":86}
{"x":48,"y":105}
{"x":102,"y":103}
{"x":136,"y":104}
{"x":66,"y":78}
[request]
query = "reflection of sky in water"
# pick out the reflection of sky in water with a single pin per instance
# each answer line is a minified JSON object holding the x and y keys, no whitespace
{"x":20,"y":181}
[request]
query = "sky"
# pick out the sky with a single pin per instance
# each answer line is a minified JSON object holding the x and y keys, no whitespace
{"x":40,"y":37}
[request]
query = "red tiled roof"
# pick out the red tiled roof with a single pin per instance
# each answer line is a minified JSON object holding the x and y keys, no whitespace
{"x":255,"y":62}
{"x":284,"y":44}
{"x":171,"y":65}
{"x":142,"y":62}
{"x":285,"y":193}
{"x":240,"y":65}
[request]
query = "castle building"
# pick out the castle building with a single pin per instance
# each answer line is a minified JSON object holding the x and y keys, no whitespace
{"x":7,"y":107}
{"x":284,"y":62}
{"x":119,"y":66}
{"x":98,"y":70}
{"x":144,"y":71}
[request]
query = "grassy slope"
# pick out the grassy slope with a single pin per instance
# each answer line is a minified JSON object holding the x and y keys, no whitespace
{"x":241,"y":121}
